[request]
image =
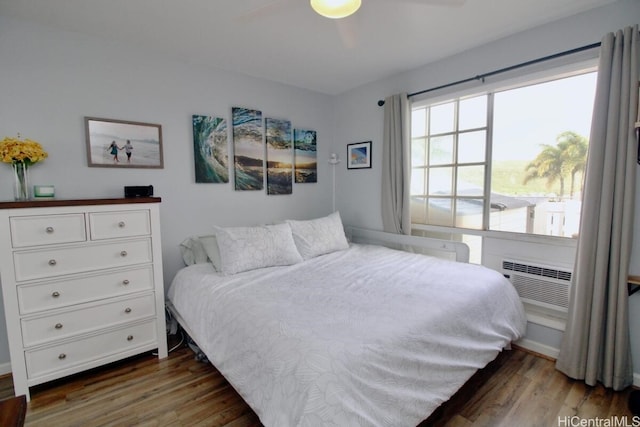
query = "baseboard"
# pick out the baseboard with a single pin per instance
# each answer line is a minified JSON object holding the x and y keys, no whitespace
{"x":552,"y":353}
{"x":5,"y":368}
{"x":537,"y":347}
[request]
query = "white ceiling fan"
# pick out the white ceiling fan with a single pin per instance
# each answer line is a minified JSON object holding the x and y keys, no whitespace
{"x":336,"y":10}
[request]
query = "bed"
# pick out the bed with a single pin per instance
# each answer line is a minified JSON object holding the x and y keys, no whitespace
{"x":341,"y":334}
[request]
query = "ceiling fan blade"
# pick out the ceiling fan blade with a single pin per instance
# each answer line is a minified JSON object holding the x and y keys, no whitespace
{"x":443,"y":3}
{"x":348,"y":33}
{"x":270,"y":7}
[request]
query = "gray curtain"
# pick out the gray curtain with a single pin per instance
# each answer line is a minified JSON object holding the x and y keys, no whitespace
{"x":595,"y":346}
{"x":396,"y":165}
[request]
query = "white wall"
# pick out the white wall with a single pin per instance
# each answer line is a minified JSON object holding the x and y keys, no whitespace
{"x":358,"y":118}
{"x":51,"y":79}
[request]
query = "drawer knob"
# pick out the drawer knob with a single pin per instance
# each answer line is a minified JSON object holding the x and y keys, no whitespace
{"x":123,"y":253}
{"x":121,"y":224}
{"x":130,"y":338}
{"x":62,"y":356}
{"x":58,"y":326}
{"x":127,"y":310}
{"x":125,"y":282}
{"x":52,"y":262}
{"x":49,"y":230}
{"x":55,"y":294}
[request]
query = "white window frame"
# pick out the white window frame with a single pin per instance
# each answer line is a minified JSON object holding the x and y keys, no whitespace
{"x":539,"y":73}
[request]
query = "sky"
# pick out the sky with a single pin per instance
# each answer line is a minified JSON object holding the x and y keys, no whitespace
{"x":527,"y":117}
{"x":122,"y":131}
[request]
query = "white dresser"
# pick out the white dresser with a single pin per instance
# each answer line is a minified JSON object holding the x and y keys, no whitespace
{"x":81,"y":283}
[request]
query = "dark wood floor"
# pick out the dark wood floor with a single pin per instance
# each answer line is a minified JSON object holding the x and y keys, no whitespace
{"x":517,"y":389}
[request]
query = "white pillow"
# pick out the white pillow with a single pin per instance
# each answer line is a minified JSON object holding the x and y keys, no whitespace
{"x":198,"y":250}
{"x":248,"y":248}
{"x":192,"y":251}
{"x":210,"y":245}
{"x":319,"y":236}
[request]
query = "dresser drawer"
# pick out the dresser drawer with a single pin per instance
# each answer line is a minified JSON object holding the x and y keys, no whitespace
{"x":62,"y":293}
{"x":47,"y":230}
{"x":39,"y":264}
{"x":71,"y":354}
{"x":40,"y":330}
{"x":110,"y":225}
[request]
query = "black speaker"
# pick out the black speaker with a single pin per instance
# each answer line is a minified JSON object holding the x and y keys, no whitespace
{"x":138,"y":191}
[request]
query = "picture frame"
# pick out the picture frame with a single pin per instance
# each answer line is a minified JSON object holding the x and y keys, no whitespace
{"x":359,"y":155}
{"x":123,"y":144}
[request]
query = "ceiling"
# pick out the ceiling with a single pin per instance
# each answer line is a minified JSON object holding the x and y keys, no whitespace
{"x":285,"y":41}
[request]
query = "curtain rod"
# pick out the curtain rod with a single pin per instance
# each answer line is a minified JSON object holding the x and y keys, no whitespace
{"x":503,"y":70}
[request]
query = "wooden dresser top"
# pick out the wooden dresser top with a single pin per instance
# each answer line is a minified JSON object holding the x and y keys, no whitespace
{"x":48,"y":203}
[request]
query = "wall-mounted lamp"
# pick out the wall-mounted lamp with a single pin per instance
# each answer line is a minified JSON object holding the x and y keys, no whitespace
{"x":334,"y":159}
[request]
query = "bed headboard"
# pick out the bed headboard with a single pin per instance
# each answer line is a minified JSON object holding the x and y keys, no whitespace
{"x":436,"y":247}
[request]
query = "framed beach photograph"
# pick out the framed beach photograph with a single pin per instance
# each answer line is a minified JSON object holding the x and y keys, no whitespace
{"x":359,"y":155}
{"x":123,"y":144}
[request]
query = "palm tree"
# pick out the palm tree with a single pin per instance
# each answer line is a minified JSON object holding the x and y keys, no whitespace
{"x":554,"y":163}
{"x":547,"y":164}
{"x":574,"y":152}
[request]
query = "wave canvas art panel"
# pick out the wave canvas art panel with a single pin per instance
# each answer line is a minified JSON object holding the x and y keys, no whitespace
{"x":248,"y":156}
{"x":279,"y":156}
{"x":306,"y":159}
{"x":210,"y":149}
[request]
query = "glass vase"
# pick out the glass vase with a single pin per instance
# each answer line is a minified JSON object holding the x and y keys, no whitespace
{"x":21,"y":181}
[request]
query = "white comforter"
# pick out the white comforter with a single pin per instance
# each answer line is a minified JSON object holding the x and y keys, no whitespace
{"x":365,"y":336}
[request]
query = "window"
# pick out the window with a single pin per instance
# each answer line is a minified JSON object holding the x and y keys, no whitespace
{"x":507,"y":160}
{"x":448,"y":157}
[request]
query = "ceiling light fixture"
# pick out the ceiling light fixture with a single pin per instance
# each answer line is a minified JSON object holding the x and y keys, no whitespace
{"x":335,"y":9}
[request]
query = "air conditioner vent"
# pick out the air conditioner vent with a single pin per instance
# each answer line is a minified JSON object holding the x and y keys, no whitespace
{"x":547,"y":272}
{"x":564,"y":275}
{"x":532,"y":269}
{"x":536,"y":270}
{"x":540,"y":285}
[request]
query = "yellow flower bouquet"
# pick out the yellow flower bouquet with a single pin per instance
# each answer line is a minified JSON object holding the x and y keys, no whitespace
{"x":16,"y":150}
{"x":21,"y":154}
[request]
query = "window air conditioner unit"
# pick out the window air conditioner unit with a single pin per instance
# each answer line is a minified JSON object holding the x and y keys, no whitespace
{"x":540,"y":285}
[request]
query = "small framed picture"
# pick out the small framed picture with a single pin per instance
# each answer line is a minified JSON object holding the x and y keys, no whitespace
{"x":359,"y":155}
{"x":123,"y":144}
